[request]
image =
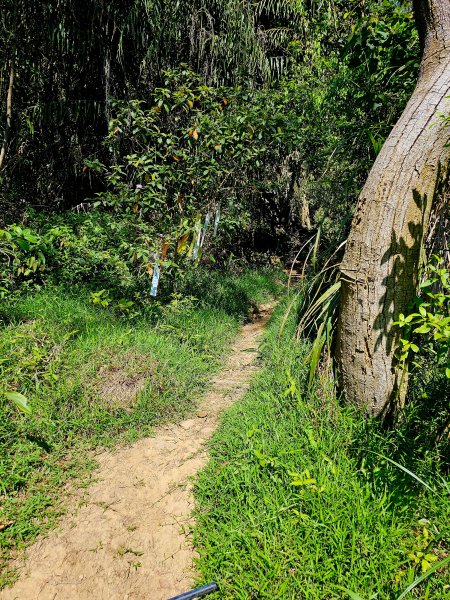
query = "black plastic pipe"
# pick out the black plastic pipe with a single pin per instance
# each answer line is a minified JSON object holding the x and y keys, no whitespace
{"x":198,"y":592}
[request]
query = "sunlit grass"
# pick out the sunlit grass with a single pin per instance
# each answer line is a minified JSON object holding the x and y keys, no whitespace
{"x":94,"y":377}
{"x":302,"y":497}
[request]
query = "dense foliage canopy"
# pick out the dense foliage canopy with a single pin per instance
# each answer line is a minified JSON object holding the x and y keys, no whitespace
{"x":271,"y":112}
{"x":336,"y":61}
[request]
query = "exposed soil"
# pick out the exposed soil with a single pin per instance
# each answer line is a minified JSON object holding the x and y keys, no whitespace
{"x":128,"y":536}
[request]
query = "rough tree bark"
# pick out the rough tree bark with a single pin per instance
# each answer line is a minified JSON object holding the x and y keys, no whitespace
{"x":380,"y":265}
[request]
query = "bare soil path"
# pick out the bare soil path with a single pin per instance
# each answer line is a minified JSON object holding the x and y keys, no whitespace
{"x":128,"y":537}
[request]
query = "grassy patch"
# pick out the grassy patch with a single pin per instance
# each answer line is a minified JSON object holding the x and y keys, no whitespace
{"x":298,"y":502}
{"x":94,"y":377}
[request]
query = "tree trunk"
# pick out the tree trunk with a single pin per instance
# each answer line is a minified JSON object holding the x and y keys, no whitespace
{"x":380,"y":266}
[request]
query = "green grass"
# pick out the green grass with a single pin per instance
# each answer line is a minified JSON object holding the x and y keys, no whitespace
{"x":94,"y":377}
{"x":297,"y":501}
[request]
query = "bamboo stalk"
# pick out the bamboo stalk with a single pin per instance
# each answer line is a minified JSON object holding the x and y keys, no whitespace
{"x":8,"y":111}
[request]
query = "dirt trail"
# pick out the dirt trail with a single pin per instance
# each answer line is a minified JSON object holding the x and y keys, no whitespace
{"x":129,"y":539}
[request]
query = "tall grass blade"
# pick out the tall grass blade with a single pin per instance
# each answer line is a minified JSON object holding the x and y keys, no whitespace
{"x":284,"y":321}
{"x":352,"y":595}
{"x":294,"y":263}
{"x":434,"y":568}
{"x":407,"y":471}
{"x":318,"y":304}
{"x":315,"y":250}
{"x":314,"y":355}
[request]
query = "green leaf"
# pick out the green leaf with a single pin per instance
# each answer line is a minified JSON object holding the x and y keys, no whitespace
{"x":20,"y":401}
{"x":422,"y":329}
{"x":427,"y":283}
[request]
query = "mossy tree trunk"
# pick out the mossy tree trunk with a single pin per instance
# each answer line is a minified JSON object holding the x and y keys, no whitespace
{"x":380,"y":267}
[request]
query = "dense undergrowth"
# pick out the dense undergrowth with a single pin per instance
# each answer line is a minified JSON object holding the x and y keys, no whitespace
{"x":94,"y":376}
{"x":302,"y":497}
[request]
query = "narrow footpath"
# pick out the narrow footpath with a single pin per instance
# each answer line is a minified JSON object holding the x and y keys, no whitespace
{"x":128,"y":537}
